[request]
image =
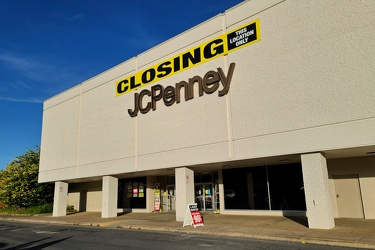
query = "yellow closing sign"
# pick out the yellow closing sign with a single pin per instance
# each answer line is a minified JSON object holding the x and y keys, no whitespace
{"x":219,"y":46}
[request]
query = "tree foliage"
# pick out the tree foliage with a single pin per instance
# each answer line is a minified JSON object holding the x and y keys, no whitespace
{"x":19,"y":182}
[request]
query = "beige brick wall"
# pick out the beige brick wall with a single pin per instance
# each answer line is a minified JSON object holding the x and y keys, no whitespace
{"x":94,"y":195}
{"x":307,"y":86}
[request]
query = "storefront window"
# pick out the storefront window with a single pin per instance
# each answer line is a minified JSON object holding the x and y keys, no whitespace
{"x":203,"y":178}
{"x":286,"y":187}
{"x":132,"y":193}
{"x":245,"y":188}
{"x":170,"y":180}
{"x":278,"y":187}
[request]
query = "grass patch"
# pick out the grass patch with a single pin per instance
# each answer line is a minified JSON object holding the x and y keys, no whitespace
{"x":46,"y":208}
{"x":42,"y":209}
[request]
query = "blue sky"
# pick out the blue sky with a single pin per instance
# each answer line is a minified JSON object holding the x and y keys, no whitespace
{"x":49,"y":46}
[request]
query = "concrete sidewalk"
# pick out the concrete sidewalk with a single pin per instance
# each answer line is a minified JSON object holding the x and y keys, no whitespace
{"x":357,"y":233}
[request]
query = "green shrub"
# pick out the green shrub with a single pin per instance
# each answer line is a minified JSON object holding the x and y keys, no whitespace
{"x":70,"y":209}
{"x":19,"y":182}
{"x":11,"y":210}
{"x":41,"y":209}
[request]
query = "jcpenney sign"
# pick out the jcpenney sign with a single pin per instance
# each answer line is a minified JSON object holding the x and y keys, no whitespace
{"x":208,"y":83}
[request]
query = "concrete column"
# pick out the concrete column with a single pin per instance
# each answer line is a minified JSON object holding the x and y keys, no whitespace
{"x":109,"y":197}
{"x":60,"y":200}
{"x":184,"y":191}
{"x":150,"y":182}
{"x":221,"y":191}
{"x":317,"y":192}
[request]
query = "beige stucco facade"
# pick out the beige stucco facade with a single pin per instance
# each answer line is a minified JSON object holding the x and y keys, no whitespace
{"x":307,"y":86}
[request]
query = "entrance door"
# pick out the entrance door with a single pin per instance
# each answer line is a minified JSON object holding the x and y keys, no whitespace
{"x":204,"y":196}
{"x":171,"y":198}
{"x":348,"y":196}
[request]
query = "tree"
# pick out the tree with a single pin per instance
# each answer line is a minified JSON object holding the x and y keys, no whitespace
{"x":19,"y":182}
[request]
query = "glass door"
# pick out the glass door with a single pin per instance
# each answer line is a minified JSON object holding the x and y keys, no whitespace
{"x":171,"y":201}
{"x":204,"y":196}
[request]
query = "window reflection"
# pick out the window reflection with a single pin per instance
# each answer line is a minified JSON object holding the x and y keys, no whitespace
{"x":278,"y":187}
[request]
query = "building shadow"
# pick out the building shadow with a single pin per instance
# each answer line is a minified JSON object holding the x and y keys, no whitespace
{"x":298,"y":219}
{"x":125,"y":211}
{"x":40,"y":246}
{"x":83,"y":201}
{"x":22,"y":246}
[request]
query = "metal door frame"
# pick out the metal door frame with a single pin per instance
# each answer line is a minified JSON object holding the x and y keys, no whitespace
{"x":204,"y":194}
{"x":168,"y":197}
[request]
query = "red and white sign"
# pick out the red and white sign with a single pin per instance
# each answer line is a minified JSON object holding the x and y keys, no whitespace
{"x":193,"y":216}
{"x":156,"y":199}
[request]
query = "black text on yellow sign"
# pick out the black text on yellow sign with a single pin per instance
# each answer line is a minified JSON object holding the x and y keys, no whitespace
{"x":219,"y":46}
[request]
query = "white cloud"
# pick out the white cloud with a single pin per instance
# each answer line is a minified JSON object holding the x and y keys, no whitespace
{"x":28,"y":100}
{"x":70,"y":18}
{"x":76,"y":17}
{"x":18,"y":62}
{"x":45,"y":72}
{"x":39,"y":78}
{"x":26,"y":66}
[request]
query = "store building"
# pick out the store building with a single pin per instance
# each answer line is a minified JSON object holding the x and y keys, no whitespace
{"x":267,"y":109}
